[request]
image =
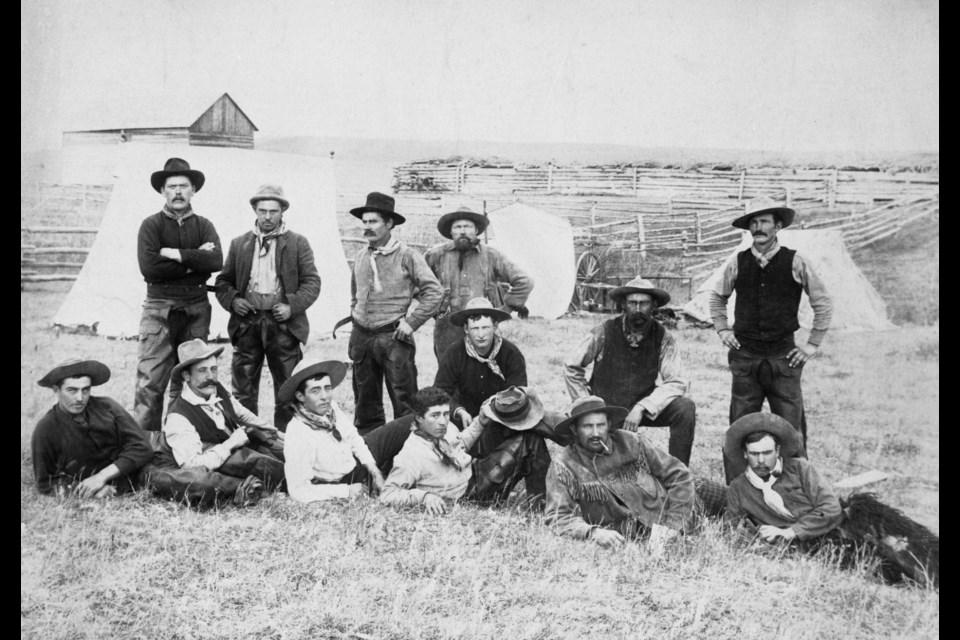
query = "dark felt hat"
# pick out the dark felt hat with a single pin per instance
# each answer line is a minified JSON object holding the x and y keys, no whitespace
{"x":478,"y":307}
{"x":590,"y":404}
{"x":518,"y":408}
{"x":640,"y":285}
{"x":177,"y":167}
{"x":790,"y":441}
{"x":304,"y":371}
{"x":463,"y":213}
{"x":381,"y":203}
{"x":765,"y":205}
{"x":74,"y":368}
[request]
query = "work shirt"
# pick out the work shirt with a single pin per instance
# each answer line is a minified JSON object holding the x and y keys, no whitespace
{"x":67,"y":448}
{"x":634,"y":481}
{"x":470,"y":382}
{"x":418,"y":469}
{"x":805,"y":494}
{"x":803,"y":274}
{"x":184,"y":441}
{"x":483,"y":267}
{"x":589,"y":351}
{"x":404,"y":277}
{"x":316,"y":454}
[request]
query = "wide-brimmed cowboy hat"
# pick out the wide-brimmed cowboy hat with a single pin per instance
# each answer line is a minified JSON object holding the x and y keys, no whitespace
{"x":304,"y":371}
{"x":463,"y":213}
{"x":765,"y":205}
{"x":790,"y":441}
{"x":478,"y":307}
{"x":74,"y":368}
{"x":177,"y":167}
{"x":191,"y":352}
{"x":590,"y":404}
{"x":639,"y":285}
{"x":381,"y":203}
{"x":518,"y":408}
{"x":270,"y":192}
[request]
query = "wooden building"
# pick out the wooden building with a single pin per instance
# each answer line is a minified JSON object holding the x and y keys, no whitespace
{"x":221,"y":124}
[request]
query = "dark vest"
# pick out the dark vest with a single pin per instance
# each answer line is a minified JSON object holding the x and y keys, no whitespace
{"x":203,"y":423}
{"x":625,"y":375}
{"x":768,"y":299}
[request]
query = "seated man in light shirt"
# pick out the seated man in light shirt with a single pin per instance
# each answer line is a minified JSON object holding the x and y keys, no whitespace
{"x":326,"y":458}
{"x":205,"y":428}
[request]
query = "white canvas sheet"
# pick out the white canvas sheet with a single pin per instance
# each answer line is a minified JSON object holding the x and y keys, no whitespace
{"x":109,"y":291}
{"x":542,"y":245}
{"x":856,"y":304}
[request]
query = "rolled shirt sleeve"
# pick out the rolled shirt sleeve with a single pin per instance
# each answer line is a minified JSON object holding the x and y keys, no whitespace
{"x":721,"y":292}
{"x":578,"y":359}
{"x":820,"y":300}
{"x":429,"y":292}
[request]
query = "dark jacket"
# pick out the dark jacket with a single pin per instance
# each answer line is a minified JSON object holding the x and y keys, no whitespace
{"x":295,"y":268}
{"x":171,"y":279}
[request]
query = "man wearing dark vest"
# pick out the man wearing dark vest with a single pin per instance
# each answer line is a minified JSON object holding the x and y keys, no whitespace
{"x":205,"y":428}
{"x":268,"y":282}
{"x":628,"y":353}
{"x":769,"y":281}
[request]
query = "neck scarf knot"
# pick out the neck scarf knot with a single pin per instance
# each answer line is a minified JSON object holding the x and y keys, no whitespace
{"x":178,"y":218}
{"x":318,"y":422}
{"x":446,"y":451}
{"x":264,"y":239}
{"x":773,"y":499}
{"x":490,"y":360}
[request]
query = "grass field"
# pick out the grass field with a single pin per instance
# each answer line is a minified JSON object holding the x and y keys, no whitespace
{"x":139,"y":567}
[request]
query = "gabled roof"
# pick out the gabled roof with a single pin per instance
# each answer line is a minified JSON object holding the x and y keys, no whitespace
{"x":148,"y":112}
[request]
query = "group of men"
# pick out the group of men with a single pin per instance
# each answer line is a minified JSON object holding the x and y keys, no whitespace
{"x":480,"y":428}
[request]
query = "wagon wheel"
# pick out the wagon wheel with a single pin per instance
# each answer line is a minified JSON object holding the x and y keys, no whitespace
{"x":589,"y":271}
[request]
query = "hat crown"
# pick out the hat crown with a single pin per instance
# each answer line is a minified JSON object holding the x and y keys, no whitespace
{"x":176,"y":164}
{"x":763,"y":203}
{"x":379,"y":200}
{"x":587,"y":404}
{"x":510,"y":402}
{"x":267,"y":191}
{"x":640,"y":283}
{"x":193,"y":349}
{"x":478,"y":303}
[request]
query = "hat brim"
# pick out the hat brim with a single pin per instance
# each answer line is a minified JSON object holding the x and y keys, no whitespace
{"x":445,"y":223}
{"x":157,"y":178}
{"x":615,"y":416}
{"x":284,"y":203}
{"x":180,"y":366}
{"x":336,"y":369}
{"x":533,"y":416}
{"x":98,"y":373}
{"x":790,"y":442}
{"x":784,"y":214}
{"x":397,"y":218}
{"x":459,"y":318}
{"x":617,"y":294}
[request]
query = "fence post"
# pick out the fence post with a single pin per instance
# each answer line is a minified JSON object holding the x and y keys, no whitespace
{"x":788,"y":196}
{"x":698,"y":225}
{"x":549,"y":177}
{"x":634,"y":181}
{"x":832,"y":190}
{"x":743,"y":179}
{"x":593,"y":214}
{"x":641,"y":236}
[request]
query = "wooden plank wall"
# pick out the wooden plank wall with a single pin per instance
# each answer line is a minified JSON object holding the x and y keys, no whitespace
{"x":223,"y":118}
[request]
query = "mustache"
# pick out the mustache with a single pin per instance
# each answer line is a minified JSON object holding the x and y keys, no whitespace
{"x":369,"y":233}
{"x":208,"y":383}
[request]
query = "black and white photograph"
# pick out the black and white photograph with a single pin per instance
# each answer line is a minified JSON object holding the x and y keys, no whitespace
{"x":424,"y":319}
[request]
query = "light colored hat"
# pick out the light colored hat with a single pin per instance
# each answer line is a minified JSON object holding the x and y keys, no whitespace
{"x":765,"y":205}
{"x":191,"y":352}
{"x":74,"y":368}
{"x":478,"y":307}
{"x":790,"y":442}
{"x":462,"y":213}
{"x":640,"y":285}
{"x":304,"y":371}
{"x":590,"y":404}
{"x":270,"y":192}
{"x":518,"y":408}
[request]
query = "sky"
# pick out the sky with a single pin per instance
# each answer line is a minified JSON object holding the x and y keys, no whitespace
{"x":773,"y":75}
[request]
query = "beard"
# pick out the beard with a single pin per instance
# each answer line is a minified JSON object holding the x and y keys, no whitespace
{"x":637,"y":320}
{"x":464,"y":244}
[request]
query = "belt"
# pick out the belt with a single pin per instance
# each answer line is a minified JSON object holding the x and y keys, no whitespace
{"x":387,"y":328}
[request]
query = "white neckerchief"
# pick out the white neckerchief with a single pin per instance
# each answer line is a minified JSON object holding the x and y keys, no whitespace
{"x":490,"y":360}
{"x":773,"y":499}
{"x":211,"y":406}
{"x":392,"y":245}
{"x":763,"y":259}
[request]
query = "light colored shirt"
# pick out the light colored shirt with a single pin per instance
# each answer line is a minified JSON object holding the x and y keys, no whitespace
{"x":673,"y":384}
{"x":483,"y":267}
{"x":419,"y":469}
{"x":316,"y":453}
{"x":184,"y":441}
{"x":803,"y":274}
{"x":405,"y":278}
{"x":263,"y":270}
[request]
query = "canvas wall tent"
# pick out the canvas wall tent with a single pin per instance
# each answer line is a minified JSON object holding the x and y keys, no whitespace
{"x":856,"y":304}
{"x":109,"y":291}
{"x":542,"y":245}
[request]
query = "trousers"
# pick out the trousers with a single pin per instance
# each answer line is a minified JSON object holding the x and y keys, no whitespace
{"x":164,"y":326}
{"x":681,"y":416}
{"x":445,"y":333}
{"x":376,"y":357}
{"x":260,"y":337}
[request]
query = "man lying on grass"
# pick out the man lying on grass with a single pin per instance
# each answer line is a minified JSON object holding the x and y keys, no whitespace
{"x":326,"y":458}
{"x":90,"y":447}
{"x":779,"y":498}
{"x":434,"y":469}
{"x":612,"y":485}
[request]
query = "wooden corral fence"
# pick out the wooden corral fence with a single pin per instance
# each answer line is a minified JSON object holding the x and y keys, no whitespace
{"x":831,"y":186}
{"x":42,"y":262}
